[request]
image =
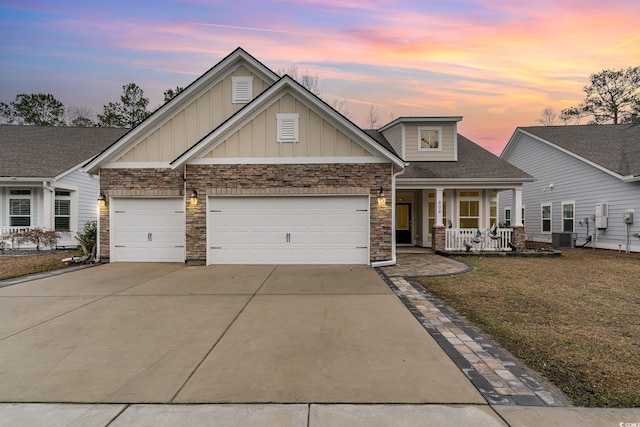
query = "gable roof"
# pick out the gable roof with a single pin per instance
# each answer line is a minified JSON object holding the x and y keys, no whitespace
{"x":474,"y":163}
{"x":286,"y":85}
{"x":48,"y":151}
{"x":615,"y":148}
{"x":179,"y":102}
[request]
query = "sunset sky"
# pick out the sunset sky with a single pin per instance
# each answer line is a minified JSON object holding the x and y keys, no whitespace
{"x":496,"y":63}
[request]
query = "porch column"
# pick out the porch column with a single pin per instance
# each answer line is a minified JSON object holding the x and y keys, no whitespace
{"x":439,"y":202}
{"x":517,"y":206}
{"x":425,"y":218}
{"x":48,"y":197}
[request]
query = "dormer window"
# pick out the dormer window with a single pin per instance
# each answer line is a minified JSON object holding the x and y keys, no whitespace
{"x":242,"y":89}
{"x":287,"y":127}
{"x":429,"y":138}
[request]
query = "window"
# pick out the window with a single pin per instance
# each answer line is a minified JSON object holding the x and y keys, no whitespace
{"x":546,"y":218}
{"x":287,"y":127}
{"x":242,"y":89}
{"x":507,"y":217}
{"x":429,"y":139}
{"x":62,"y":211}
{"x":469,"y":209}
{"x":493,"y":208}
{"x":62,"y":215}
{"x":568,"y":217}
{"x":19,"y":208}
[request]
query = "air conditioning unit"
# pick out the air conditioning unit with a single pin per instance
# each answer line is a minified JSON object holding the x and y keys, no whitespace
{"x":602,"y":215}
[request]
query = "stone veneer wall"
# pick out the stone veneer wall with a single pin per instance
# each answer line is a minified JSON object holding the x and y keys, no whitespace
{"x":518,"y":238}
{"x":135,"y":182}
{"x":290,"y":179}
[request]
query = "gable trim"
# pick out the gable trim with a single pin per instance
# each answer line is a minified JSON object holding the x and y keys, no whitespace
{"x":257,"y":106}
{"x":167,"y":111}
{"x":283,"y":160}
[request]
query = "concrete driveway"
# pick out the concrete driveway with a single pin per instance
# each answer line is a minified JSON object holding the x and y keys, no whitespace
{"x":168,"y":333}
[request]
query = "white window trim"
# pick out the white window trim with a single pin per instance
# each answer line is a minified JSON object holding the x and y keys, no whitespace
{"x":508,"y":208}
{"x":542,"y":205}
{"x":70,"y":216}
{"x":20,"y":196}
{"x":478,"y":199}
{"x":242,"y":89}
{"x":573,"y":219}
{"x":429,"y":128}
{"x":288,"y":127}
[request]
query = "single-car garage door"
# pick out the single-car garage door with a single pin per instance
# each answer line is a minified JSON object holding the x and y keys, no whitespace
{"x":288,"y":230}
{"x":147,"y":230}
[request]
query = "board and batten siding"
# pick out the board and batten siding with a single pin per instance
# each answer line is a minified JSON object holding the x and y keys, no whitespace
{"x":573,"y":180}
{"x":448,"y":142}
{"x":317,"y":137}
{"x":195,"y":121}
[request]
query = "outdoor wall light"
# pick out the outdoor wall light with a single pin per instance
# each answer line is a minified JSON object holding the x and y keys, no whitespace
{"x":382,"y":201}
{"x":102,"y":200}
{"x":194,"y":198}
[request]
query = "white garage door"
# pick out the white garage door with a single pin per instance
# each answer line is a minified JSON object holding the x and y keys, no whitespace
{"x":147,"y":230}
{"x":288,"y":230}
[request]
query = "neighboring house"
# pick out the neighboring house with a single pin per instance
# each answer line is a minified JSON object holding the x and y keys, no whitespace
{"x":588,"y":184}
{"x":41,"y":181}
{"x":246,"y":167}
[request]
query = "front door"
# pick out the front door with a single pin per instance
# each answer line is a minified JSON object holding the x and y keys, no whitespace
{"x":403,"y":223}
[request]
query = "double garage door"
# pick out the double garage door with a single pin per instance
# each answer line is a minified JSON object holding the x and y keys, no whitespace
{"x":247,"y":230}
{"x":288,"y":230}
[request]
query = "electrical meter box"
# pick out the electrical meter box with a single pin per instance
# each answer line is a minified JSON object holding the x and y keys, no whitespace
{"x":628,"y":217}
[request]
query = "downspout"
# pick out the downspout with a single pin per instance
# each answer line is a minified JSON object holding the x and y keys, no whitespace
{"x":393,"y":259}
{"x":96,"y":178}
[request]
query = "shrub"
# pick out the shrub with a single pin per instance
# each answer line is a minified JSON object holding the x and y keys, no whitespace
{"x":88,"y":239}
{"x":38,"y":236}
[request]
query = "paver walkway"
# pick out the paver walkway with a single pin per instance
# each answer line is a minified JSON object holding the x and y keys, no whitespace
{"x":500,"y":378}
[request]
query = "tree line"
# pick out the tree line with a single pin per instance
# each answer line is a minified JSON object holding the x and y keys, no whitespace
{"x":611,"y":96}
{"x":43,"y":109}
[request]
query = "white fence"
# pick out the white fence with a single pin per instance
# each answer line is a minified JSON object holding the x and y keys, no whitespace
{"x":472,"y":239}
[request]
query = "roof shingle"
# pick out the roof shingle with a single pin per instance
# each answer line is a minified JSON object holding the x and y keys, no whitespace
{"x":47,"y":151}
{"x":615,"y":147}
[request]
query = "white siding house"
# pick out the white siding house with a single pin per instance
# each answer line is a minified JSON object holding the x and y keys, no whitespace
{"x":587,"y":184}
{"x":41,"y":181}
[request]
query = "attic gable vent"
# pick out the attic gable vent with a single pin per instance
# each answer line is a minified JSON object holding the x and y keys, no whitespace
{"x":287,"y":127}
{"x":242,"y":89}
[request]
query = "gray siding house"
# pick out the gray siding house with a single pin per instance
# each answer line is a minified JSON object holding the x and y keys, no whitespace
{"x":587,"y":184}
{"x":41,"y":181}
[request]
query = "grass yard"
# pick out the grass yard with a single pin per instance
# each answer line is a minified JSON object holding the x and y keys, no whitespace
{"x":575,"y":318}
{"x":14,"y":266}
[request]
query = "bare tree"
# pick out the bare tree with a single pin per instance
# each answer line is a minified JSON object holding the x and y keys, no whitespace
{"x":548,"y":117}
{"x":307,"y":80}
{"x":338,"y":104}
{"x":372,"y":117}
{"x":81,"y":117}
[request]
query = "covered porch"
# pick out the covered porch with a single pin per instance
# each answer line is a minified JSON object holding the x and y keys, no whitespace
{"x":455,"y":218}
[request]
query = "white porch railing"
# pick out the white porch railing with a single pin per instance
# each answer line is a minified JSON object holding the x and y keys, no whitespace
{"x":472,"y":239}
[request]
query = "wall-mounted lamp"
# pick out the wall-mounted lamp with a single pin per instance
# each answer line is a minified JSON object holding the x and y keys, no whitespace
{"x":382,"y":201}
{"x":194,"y":198}
{"x":102,"y":200}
